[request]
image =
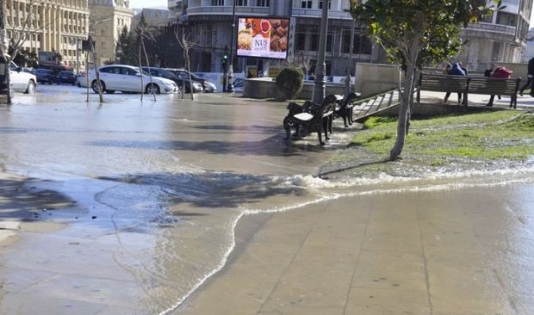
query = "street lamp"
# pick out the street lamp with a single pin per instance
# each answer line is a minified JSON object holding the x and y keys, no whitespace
{"x":230,"y":86}
{"x":319,"y":87}
{"x":351,"y":59}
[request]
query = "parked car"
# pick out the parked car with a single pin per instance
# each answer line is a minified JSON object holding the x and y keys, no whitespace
{"x":20,"y":80}
{"x":125,"y":78}
{"x":81,"y":79}
{"x":182,"y":83}
{"x":207,"y":86}
{"x":45,"y":76}
{"x":66,"y":77}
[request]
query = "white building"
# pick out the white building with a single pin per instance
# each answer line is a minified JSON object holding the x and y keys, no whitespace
{"x":156,"y":16}
{"x":108,"y":18}
{"x":49,"y":26}
{"x":529,"y":50}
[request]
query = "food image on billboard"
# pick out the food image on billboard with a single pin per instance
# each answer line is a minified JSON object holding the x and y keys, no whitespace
{"x":262,"y":37}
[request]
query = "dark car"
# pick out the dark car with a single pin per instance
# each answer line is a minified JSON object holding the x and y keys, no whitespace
{"x":184,"y":74}
{"x":45,"y":76}
{"x":66,"y":77}
{"x":182,"y":83}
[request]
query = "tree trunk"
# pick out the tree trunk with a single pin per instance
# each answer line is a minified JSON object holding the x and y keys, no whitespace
{"x":148,"y":65}
{"x":402,"y":124}
{"x":97,"y":75}
{"x":405,"y":104}
{"x":140,"y":65}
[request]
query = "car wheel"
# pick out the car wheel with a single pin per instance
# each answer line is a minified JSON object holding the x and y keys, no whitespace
{"x":152,"y":88}
{"x":94,"y":86}
{"x":31,"y":88}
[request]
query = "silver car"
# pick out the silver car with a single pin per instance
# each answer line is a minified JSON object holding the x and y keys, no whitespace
{"x":129,"y":79}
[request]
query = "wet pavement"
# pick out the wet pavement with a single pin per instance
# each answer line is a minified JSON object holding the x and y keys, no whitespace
{"x":175,"y":197}
{"x":458,"y":251}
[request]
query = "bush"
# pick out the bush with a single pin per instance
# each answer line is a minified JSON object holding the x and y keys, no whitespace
{"x":289,"y":82}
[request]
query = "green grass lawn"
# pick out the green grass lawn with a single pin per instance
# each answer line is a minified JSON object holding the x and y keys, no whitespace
{"x":499,"y":135}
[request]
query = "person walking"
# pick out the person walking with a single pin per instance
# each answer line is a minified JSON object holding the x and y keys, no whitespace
{"x":530,"y":78}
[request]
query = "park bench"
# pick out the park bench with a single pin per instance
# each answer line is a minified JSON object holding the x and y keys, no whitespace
{"x":345,"y":108}
{"x":310,"y":117}
{"x":469,"y":85}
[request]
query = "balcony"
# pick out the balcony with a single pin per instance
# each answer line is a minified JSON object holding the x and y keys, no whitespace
{"x":493,"y":28}
{"x":317,"y":13}
{"x":226,"y":10}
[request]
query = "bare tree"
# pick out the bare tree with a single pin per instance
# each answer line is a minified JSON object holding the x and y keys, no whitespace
{"x":96,"y":18}
{"x":3,"y":50}
{"x":19,"y":35}
{"x":185,"y":40}
{"x":144,"y":32}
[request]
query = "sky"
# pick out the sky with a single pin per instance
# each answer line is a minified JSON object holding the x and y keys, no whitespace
{"x":139,"y":4}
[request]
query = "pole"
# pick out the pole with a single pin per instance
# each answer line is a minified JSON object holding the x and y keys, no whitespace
{"x":230,"y":87}
{"x":319,"y":88}
{"x":351,"y":59}
{"x":77,"y":56}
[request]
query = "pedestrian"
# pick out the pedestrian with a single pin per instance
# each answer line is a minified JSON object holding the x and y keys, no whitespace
{"x":487,"y":73}
{"x":500,"y":73}
{"x":462,"y":67}
{"x":455,"y":69}
{"x":530,"y":76}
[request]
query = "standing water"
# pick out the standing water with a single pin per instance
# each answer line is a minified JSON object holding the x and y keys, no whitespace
{"x":159,"y":188}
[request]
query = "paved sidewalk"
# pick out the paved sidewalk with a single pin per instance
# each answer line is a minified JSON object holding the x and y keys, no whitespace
{"x":441,"y":253}
{"x":22,"y":207}
{"x":523,"y":102}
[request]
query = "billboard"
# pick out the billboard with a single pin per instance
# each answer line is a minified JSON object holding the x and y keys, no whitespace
{"x":262,"y":37}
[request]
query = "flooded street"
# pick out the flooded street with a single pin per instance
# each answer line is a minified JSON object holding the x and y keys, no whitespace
{"x":159,"y":188}
{"x":158,"y":185}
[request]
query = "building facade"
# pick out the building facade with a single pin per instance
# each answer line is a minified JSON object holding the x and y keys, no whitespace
{"x":156,"y":17}
{"x":49,"y":26}
{"x":499,"y":38}
{"x":107,"y":20}
{"x":529,"y":51}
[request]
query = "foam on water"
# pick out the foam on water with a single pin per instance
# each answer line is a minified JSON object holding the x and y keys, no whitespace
{"x":321,"y":190}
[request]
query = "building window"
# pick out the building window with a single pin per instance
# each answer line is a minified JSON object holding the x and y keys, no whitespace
{"x":217,"y":3}
{"x":242,"y":3}
{"x":306,"y":4}
{"x":262,"y":3}
{"x":300,"y":41}
{"x":314,"y":42}
{"x":321,"y":4}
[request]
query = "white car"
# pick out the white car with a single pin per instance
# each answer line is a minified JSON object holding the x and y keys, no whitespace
{"x":21,"y":81}
{"x":127,"y":79}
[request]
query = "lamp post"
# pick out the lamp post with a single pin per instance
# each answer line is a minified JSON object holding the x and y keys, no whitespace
{"x":319,"y":87}
{"x":230,"y":86}
{"x":349,"y":68}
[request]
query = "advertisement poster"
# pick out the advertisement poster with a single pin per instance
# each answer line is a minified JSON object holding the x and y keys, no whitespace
{"x":262,"y":37}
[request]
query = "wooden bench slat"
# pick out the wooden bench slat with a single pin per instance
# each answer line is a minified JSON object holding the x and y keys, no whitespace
{"x":469,"y":85}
